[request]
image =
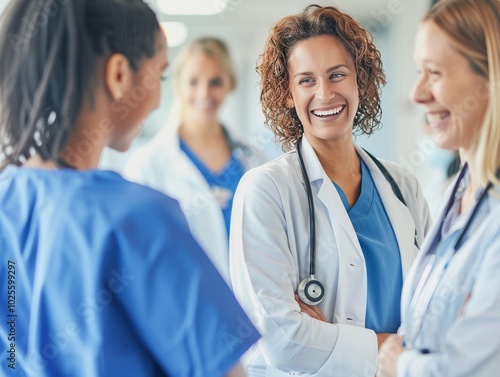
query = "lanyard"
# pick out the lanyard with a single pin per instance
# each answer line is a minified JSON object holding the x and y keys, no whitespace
{"x":420,"y":303}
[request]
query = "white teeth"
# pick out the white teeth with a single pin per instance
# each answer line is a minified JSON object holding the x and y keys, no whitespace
{"x":436,"y":117}
{"x":328,"y":112}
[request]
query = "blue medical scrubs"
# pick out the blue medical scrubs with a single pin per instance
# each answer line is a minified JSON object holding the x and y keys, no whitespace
{"x":223,"y":183}
{"x":382,"y":257}
{"x":109,"y":282}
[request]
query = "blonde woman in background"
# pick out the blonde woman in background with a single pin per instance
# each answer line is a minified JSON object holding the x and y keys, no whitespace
{"x":451,"y":298}
{"x":194,"y":158}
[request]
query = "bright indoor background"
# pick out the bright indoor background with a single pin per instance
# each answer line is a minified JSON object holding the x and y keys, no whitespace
{"x":244,"y":25}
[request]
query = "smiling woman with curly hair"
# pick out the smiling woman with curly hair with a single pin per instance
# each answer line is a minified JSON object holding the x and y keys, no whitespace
{"x":325,"y":224}
{"x":275,"y":80}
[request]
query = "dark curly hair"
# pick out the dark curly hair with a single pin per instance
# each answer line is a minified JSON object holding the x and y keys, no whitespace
{"x":273,"y":69}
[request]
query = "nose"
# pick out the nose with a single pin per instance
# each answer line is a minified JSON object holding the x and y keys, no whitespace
{"x":325,"y":91}
{"x":203,"y":90}
{"x":420,"y":92}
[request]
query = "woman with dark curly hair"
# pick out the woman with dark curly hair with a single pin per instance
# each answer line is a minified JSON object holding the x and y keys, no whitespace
{"x":326,"y":224}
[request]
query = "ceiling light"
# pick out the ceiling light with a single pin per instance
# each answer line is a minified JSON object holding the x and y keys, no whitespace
{"x":192,"y":7}
{"x":176,"y":33}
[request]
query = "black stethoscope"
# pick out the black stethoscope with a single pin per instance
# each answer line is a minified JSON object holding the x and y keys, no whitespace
{"x":450,"y":203}
{"x":311,"y":291}
{"x":412,"y":334}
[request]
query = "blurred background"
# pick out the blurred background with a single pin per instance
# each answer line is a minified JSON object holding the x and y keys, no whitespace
{"x":244,"y":26}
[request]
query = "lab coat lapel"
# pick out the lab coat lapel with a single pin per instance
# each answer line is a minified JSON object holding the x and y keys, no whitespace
{"x":183,"y":169}
{"x":399,"y":215}
{"x":328,"y":195}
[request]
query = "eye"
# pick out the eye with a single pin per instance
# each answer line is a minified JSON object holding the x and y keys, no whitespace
{"x":337,"y":75}
{"x":306,"y":80}
{"x":216,"y":82}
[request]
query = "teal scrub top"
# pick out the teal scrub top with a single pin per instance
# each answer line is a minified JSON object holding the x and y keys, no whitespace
{"x":382,"y":257}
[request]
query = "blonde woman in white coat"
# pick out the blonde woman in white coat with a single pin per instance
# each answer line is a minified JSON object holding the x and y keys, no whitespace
{"x":194,"y":159}
{"x":314,"y":97}
{"x":451,"y":300}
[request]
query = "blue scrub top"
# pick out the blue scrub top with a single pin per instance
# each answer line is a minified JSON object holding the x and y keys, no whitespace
{"x":382,"y":257}
{"x":108,"y":282}
{"x":223,"y":183}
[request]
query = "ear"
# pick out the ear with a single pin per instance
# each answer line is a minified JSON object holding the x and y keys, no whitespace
{"x":289,"y":102}
{"x":117,"y":76}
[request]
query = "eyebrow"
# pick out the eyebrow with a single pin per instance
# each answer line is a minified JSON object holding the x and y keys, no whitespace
{"x":327,"y":71}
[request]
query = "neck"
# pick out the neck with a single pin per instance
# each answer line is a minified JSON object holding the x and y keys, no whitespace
{"x":86,"y":143}
{"x":469,"y":198}
{"x":37,"y":162}
{"x":201,"y":132}
{"x":338,"y":158}
{"x":470,"y":158}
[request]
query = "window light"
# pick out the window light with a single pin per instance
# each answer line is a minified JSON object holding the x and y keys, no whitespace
{"x":192,"y":7}
{"x":176,"y":33}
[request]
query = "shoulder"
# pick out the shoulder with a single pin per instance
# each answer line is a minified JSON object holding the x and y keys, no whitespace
{"x":269,"y":184}
{"x":250,"y":150}
{"x":399,"y":173}
{"x":279,"y":172}
{"x":125,"y":200}
{"x":142,"y":199}
{"x":406,"y":181}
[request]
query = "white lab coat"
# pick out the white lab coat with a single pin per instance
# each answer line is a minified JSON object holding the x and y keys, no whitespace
{"x":462,"y":336}
{"x":162,"y":165}
{"x":269,"y":256}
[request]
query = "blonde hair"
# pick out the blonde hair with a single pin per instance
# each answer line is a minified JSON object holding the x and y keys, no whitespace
{"x":473,"y":27}
{"x":212,"y":47}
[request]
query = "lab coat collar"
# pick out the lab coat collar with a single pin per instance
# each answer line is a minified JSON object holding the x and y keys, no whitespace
{"x":314,"y":168}
{"x":172,"y":159}
{"x":399,"y":215}
{"x":327,"y":194}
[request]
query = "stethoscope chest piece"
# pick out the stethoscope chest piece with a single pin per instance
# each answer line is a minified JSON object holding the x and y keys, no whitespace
{"x":311,"y":291}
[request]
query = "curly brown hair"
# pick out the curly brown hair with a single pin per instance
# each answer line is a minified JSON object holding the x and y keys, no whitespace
{"x":273,"y":69}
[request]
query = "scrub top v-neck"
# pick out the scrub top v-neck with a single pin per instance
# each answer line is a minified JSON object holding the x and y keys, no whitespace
{"x":382,"y":257}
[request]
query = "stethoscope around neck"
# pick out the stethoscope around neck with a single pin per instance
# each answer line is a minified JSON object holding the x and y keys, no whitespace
{"x":414,"y":329}
{"x":450,"y":203}
{"x":310,"y":290}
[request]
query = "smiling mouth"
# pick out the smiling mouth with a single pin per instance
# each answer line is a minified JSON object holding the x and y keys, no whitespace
{"x":205,"y":105}
{"x":328,"y":113}
{"x":436,"y":118}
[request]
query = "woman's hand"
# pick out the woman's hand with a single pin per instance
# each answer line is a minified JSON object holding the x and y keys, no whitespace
{"x":381,"y":338}
{"x":311,"y":311}
{"x":388,"y":356}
